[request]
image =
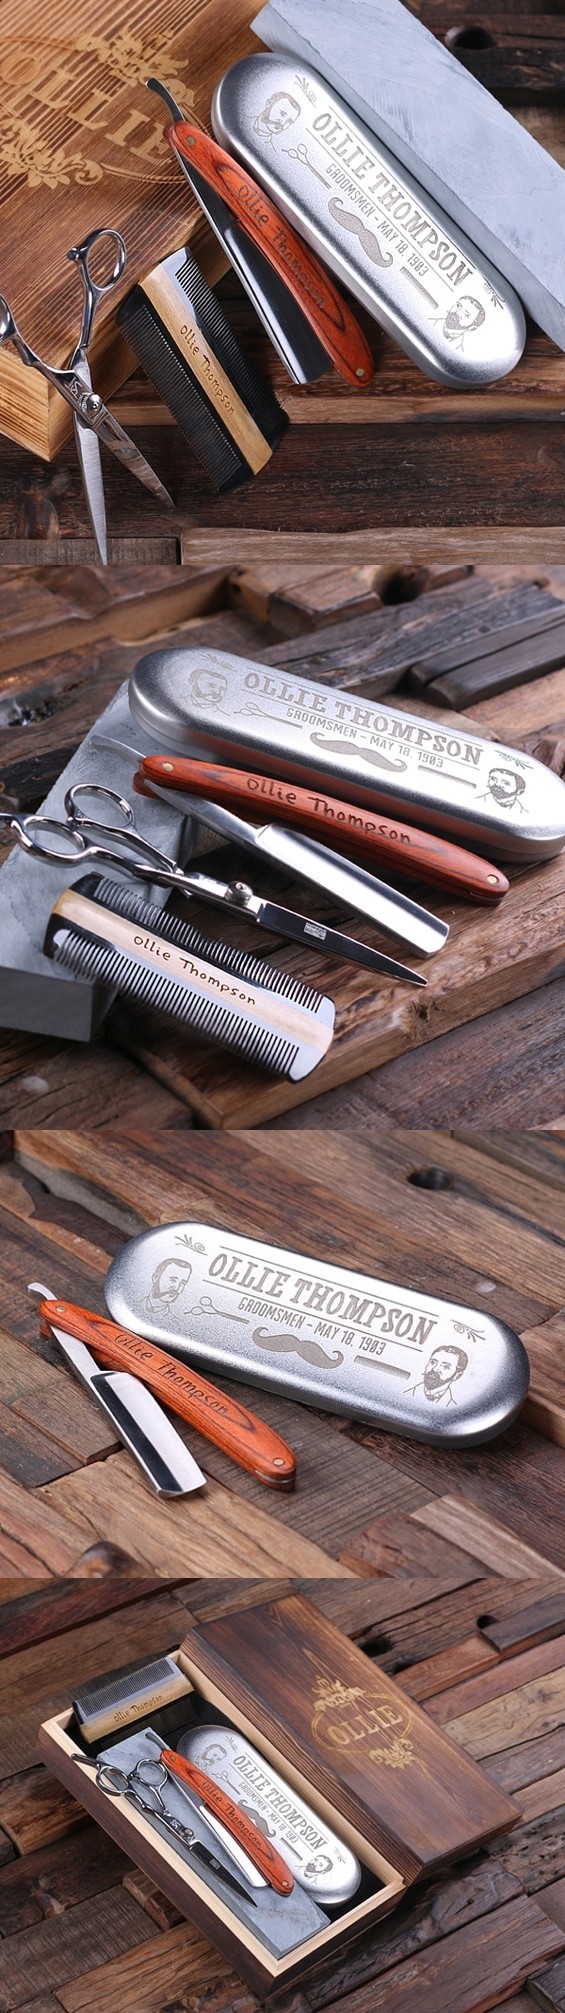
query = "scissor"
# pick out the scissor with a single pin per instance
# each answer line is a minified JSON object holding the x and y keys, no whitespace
{"x":92,"y":420}
{"x":84,"y":838}
{"x":151,"y":1777}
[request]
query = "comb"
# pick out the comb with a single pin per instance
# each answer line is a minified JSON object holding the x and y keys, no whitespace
{"x":110,"y":935}
{"x":185,"y":343}
{"x":116,"y":1700}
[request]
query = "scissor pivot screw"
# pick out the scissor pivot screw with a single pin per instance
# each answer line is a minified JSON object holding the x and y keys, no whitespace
{"x":240,"y":892}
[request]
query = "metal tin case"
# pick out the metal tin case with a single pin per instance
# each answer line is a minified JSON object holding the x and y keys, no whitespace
{"x":321,"y":1863}
{"x":383,"y":236}
{"x":206,"y":702}
{"x":407,"y":1361}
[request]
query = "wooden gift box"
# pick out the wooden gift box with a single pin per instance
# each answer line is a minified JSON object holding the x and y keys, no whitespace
{"x":82,"y":146}
{"x":368,"y":1760}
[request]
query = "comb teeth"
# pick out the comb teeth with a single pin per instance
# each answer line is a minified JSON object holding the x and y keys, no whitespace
{"x":100,"y":962}
{"x":252,"y":387}
{"x":169,"y":369}
{"x":193,"y":411}
{"x":241,"y":964}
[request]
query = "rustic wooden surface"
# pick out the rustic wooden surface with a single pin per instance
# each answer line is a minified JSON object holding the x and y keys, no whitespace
{"x":475,"y":1217}
{"x":83,"y":1928}
{"x":495,"y":995}
{"x":404,"y":455}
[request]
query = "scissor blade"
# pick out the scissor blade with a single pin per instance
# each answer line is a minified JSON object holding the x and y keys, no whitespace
{"x":305,"y":931}
{"x":119,"y":443}
{"x":353,"y":886}
{"x":88,"y":450}
{"x":229,"y":1880}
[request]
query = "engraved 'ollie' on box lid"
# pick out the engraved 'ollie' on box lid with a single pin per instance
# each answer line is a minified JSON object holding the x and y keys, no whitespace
{"x":351,"y":1732}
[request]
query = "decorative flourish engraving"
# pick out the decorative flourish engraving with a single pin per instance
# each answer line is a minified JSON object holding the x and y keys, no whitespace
{"x":492,"y":296}
{"x":130,"y":57}
{"x":308,"y":89}
{"x":345,"y":1715}
{"x":22,"y":153}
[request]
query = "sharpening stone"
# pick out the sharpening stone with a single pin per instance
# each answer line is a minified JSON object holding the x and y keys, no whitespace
{"x":36,"y":995}
{"x":488,"y":173}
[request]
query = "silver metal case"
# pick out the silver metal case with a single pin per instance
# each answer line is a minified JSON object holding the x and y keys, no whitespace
{"x":210,"y":703}
{"x":323,"y":1865}
{"x":416,"y":1365}
{"x":382,"y":235}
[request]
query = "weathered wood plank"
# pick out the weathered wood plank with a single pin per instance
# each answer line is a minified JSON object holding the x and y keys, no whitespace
{"x":535,"y":1625}
{"x":473,"y":1969}
{"x":501,"y":1677}
{"x":143,"y":1977}
{"x":46,"y":1956}
{"x":490,"y":1541}
{"x":426,"y":1680}
{"x":35,"y":1809}
{"x":534,"y":1709}
{"x":61,"y":1873}
{"x":441,"y":1909}
{"x":114,"y":1502}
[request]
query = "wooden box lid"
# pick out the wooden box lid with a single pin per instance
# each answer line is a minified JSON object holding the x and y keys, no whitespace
{"x":350,"y":1732}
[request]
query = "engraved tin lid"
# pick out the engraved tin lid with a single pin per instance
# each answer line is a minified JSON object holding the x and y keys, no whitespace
{"x":320,"y":1862}
{"x":257,"y":716}
{"x":383,"y":236}
{"x":414,"y":1364}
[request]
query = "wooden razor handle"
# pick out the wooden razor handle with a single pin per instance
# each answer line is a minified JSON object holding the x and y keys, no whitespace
{"x":220,"y":1419}
{"x":259,"y":1848}
{"x":306,"y":279}
{"x":347,"y":827}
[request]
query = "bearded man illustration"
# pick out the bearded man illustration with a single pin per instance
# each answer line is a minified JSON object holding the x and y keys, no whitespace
{"x":443,"y":1369}
{"x":168,"y":1281}
{"x":277,"y":115}
{"x":465,"y":315}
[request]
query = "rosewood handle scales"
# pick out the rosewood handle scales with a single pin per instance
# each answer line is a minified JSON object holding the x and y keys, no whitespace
{"x":348,"y":827}
{"x":259,"y":1848}
{"x":320,"y":300}
{"x":220,"y":1419}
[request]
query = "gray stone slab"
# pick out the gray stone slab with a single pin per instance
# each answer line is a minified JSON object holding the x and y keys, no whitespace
{"x":36,"y":995}
{"x":486,"y":170}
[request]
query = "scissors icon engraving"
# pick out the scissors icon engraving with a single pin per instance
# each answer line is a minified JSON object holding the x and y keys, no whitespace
{"x":92,"y":420}
{"x":301,"y":154}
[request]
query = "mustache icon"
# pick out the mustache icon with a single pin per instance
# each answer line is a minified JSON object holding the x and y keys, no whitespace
{"x":369,"y":754}
{"x":292,"y":1346}
{"x":359,"y":230}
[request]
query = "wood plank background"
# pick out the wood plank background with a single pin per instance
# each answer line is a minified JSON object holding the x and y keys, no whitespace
{"x":487,"y":1036}
{"x":475,"y":1217}
{"x":81,"y":1927}
{"x":407,"y":455}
